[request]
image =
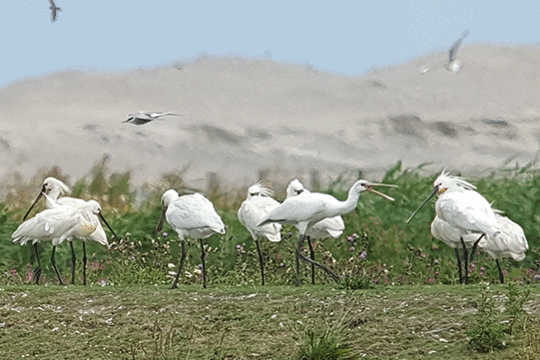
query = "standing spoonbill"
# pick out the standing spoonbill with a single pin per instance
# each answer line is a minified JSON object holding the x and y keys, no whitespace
{"x":57,"y":224}
{"x":511,"y":243}
{"x":333,"y":226}
{"x":52,"y":188}
{"x":463,"y":208}
{"x":143,"y":117}
{"x":192,"y":216}
{"x":451,"y":236}
{"x":308,"y":209}
{"x":256,"y":205}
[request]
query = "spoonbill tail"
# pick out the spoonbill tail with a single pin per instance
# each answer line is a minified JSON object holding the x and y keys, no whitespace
{"x":333,"y":226}
{"x":308,"y":209}
{"x":192,"y":216}
{"x":52,"y":188}
{"x":463,"y":208}
{"x":143,"y":117}
{"x":256,"y":205}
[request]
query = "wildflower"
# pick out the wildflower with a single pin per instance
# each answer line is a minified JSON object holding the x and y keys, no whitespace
{"x":352,"y":248}
{"x":171,"y":266}
{"x":537,"y":277}
{"x":482,"y":268}
{"x":165,"y":234}
{"x":197,"y":271}
{"x":436,"y":273}
{"x":278,"y":257}
{"x":362,"y":255}
{"x":282,"y":264}
{"x":13,"y":272}
{"x":436,"y":262}
{"x":103,"y":282}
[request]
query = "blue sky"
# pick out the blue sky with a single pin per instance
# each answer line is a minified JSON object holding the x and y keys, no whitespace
{"x":346,"y":37}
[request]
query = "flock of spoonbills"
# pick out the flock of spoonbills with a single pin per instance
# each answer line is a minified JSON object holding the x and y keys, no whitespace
{"x":464,"y":219}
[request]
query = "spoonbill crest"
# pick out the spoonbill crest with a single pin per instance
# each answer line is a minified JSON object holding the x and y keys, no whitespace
{"x":192,"y":216}
{"x":333,"y":226}
{"x":256,"y":205}
{"x":308,"y":209}
{"x":143,"y":117}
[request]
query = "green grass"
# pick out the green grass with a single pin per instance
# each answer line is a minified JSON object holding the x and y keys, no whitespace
{"x":247,"y":322}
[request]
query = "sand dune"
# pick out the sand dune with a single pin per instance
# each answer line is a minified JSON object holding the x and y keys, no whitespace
{"x":244,"y":117}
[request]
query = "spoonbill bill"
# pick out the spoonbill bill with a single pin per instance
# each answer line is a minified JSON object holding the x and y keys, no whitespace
{"x":57,"y":224}
{"x":333,"y":226}
{"x":256,"y":205}
{"x":52,"y":188}
{"x":464,"y":209}
{"x":308,"y":209}
{"x":192,"y":216}
{"x":143,"y":117}
{"x":53,"y":9}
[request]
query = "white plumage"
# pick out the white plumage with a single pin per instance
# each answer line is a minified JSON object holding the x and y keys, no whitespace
{"x":310,"y":208}
{"x":191,"y":216}
{"x":256,"y":205}
{"x":333,"y":226}
{"x":143,"y":117}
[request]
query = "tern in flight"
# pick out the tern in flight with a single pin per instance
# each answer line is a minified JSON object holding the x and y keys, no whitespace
{"x":143,"y":117}
{"x":54,"y":9}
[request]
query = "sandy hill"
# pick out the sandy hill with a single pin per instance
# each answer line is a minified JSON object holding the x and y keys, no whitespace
{"x":244,"y":117}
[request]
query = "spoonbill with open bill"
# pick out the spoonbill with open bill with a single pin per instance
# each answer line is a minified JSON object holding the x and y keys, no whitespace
{"x":308,"y":209}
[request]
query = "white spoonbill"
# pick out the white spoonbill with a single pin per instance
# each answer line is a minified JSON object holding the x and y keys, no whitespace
{"x":451,"y":236}
{"x":256,"y":205}
{"x":192,"y":216}
{"x":333,"y":226}
{"x":53,"y":9}
{"x":58,"y":224}
{"x":143,"y":117}
{"x":308,"y":209}
{"x":511,"y":243}
{"x":463,"y":208}
{"x":54,"y":188}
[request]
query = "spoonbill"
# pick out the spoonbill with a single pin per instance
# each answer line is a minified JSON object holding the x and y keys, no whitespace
{"x":143,"y":117}
{"x":256,"y":205}
{"x":192,"y":216}
{"x":53,"y":9}
{"x":58,"y":224}
{"x":463,"y":208}
{"x":451,"y":236}
{"x":308,"y":209}
{"x":52,"y":188}
{"x":333,"y":227}
{"x":511,"y":243}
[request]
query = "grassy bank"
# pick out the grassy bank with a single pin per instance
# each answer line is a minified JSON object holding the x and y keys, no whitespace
{"x":224,"y":322}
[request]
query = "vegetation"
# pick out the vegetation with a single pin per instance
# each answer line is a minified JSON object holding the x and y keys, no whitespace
{"x":394,"y":287}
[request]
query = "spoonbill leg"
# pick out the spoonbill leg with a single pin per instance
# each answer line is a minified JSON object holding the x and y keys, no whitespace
{"x":203,"y":255}
{"x":181,"y":266}
{"x":261,"y":260}
{"x":53,"y":261}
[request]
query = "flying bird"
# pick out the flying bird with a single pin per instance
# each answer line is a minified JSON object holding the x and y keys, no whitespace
{"x":454,"y":65}
{"x":333,"y":227}
{"x":257,"y":204}
{"x":52,"y":188}
{"x":192,"y":216}
{"x":308,"y":209}
{"x":53,"y":9}
{"x":143,"y":117}
{"x":464,"y":209}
